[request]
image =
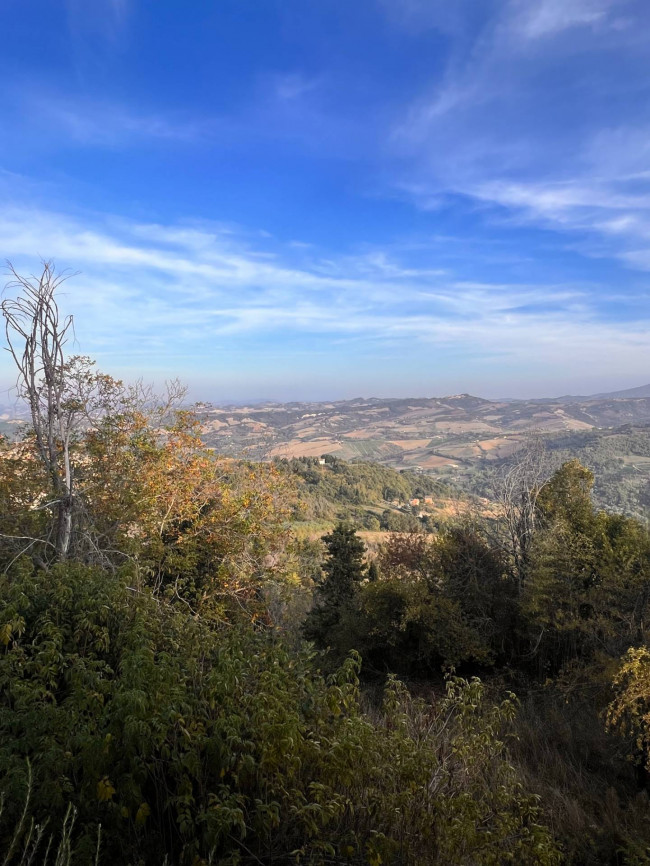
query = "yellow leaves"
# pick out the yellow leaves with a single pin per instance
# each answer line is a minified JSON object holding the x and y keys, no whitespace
{"x":105,"y":790}
{"x":5,"y":633}
{"x":142,"y":814}
{"x":333,"y":699}
{"x":629,"y":712}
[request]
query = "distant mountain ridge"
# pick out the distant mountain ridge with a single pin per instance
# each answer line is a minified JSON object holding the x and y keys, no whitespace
{"x":631,"y":393}
{"x":640,"y":392}
{"x":429,"y":434}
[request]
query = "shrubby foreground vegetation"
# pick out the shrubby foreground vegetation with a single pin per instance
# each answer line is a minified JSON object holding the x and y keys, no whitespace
{"x":159,"y":701}
{"x":189,"y":741}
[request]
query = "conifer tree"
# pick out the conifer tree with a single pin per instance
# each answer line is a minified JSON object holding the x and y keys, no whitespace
{"x":344,"y":567}
{"x":343,"y":570}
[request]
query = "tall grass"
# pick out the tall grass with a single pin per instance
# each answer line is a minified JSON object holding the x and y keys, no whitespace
{"x":588,"y":789}
{"x":32,"y":845}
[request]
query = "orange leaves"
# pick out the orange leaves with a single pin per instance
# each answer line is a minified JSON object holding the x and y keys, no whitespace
{"x":199,"y":526}
{"x":193,"y":526}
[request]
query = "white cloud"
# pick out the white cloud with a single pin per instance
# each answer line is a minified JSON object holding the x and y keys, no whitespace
{"x":567,"y":156}
{"x":153,"y":297}
{"x":292,"y":86}
{"x":550,"y":17}
{"x":107,"y":124}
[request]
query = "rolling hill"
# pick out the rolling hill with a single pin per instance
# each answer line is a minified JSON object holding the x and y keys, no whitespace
{"x":460,"y":439}
{"x":424,"y":433}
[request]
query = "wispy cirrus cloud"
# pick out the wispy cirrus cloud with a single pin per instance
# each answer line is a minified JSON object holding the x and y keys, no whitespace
{"x":108,"y":124}
{"x":486,"y":131}
{"x":100,"y":22}
{"x":289,"y":107}
{"x":188,"y":297}
{"x":551,"y":17}
{"x":521,"y":17}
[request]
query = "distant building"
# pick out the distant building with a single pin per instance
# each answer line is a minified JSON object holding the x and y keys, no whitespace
{"x":414,"y":502}
{"x":428,"y":500}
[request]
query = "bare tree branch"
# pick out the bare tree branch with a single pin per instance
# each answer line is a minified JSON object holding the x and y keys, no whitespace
{"x":518,"y":489}
{"x":36,"y":337}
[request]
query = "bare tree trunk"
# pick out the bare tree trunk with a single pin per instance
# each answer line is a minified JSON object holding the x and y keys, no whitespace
{"x":36,"y":337}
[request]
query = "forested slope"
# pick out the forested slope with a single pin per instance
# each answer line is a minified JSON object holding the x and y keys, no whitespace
{"x":371,"y":496}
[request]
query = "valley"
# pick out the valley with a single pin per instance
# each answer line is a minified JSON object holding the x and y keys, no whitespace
{"x":460,"y":440}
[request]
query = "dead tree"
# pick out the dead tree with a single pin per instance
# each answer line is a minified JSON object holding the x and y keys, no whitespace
{"x":36,"y":336}
{"x":517,"y":492}
{"x":68,"y":401}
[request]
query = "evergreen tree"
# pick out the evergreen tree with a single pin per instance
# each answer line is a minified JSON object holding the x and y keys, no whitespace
{"x":344,"y":567}
{"x":343,"y":570}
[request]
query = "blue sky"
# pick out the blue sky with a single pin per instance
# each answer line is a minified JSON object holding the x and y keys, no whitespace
{"x":286,"y":199}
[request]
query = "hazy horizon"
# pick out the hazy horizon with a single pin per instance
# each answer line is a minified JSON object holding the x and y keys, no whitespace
{"x":8,"y":399}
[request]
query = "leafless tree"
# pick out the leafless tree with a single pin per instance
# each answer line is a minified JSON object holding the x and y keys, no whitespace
{"x":67,"y":398}
{"x":36,"y":336}
{"x":517,"y":491}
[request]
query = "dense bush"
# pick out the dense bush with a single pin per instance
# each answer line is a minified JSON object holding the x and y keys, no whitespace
{"x":400,"y":625}
{"x":438,"y":602}
{"x":589,"y":588}
{"x":188,"y":742}
{"x":588,"y":790}
{"x":198,"y":529}
{"x":399,"y":521}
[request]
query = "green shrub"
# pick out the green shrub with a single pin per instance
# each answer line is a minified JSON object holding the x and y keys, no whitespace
{"x":401,"y":625}
{"x":187,"y":742}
